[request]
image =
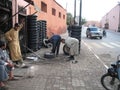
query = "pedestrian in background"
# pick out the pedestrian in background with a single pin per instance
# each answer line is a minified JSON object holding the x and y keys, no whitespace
{"x":12,"y":37}
{"x":55,"y":40}
{"x":104,"y":33}
{"x":73,"y":44}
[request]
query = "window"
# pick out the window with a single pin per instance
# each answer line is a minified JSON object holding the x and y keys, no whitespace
{"x":63,"y":16}
{"x":43,"y":7}
{"x":59,"y":14}
{"x":53,"y":11}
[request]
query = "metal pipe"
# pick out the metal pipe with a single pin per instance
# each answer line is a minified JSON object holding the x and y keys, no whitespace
{"x":80,"y":24}
{"x":34,"y":13}
{"x":34,"y":52}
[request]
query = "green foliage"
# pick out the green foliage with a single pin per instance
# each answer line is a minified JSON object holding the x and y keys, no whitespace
{"x":69,"y":18}
{"x":83,"y":21}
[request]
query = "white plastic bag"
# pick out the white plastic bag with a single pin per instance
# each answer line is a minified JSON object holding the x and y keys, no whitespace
{"x":31,"y":72}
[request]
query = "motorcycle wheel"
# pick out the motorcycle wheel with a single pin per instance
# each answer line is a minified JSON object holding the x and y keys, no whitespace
{"x":109,"y":82}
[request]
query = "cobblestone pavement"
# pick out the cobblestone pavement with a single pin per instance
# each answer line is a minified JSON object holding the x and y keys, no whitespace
{"x":58,"y":74}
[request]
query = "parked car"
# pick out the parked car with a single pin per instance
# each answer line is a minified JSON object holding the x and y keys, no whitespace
{"x":94,"y":32}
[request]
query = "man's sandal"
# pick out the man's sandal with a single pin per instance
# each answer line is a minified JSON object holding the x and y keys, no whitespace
{"x":13,"y":79}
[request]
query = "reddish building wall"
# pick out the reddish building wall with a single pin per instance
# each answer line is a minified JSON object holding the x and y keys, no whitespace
{"x":55,"y":23}
{"x":111,"y":18}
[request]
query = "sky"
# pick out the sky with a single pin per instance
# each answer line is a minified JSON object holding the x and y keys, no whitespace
{"x":91,"y":9}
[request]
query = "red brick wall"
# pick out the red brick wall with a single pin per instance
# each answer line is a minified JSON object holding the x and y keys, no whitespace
{"x":55,"y":24}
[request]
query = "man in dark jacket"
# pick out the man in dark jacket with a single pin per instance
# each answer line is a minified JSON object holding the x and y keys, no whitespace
{"x":55,"y":40}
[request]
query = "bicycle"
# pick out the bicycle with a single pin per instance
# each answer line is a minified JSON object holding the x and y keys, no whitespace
{"x":111,"y":79}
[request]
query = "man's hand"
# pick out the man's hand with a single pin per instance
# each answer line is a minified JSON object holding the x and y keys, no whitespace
{"x":11,"y":65}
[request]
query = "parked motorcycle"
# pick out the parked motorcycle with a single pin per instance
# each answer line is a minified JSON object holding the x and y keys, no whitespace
{"x":111,"y":79}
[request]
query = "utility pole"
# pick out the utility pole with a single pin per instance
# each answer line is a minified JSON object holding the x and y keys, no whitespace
{"x":80,"y":13}
{"x":74,"y":10}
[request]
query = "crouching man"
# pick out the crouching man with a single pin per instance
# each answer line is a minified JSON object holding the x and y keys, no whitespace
{"x":73,"y":44}
{"x":55,"y":40}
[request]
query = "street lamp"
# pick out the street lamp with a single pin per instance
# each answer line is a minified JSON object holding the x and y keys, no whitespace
{"x":119,"y":18}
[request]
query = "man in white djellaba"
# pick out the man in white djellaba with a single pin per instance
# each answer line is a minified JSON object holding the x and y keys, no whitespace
{"x":73,"y":44}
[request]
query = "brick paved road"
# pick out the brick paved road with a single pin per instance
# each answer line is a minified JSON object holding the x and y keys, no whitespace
{"x":57,"y":74}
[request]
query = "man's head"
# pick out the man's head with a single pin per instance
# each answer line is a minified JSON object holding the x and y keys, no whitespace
{"x":16,"y":26}
{"x":2,"y":44}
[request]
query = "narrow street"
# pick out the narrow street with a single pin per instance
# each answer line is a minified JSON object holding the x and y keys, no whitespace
{"x":107,"y":48}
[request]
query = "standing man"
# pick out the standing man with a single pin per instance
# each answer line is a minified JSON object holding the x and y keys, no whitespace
{"x":12,"y":37}
{"x":55,"y":40}
{"x":73,"y":44}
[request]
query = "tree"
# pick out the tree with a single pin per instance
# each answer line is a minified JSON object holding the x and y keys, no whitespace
{"x":83,"y":21}
{"x":69,"y":18}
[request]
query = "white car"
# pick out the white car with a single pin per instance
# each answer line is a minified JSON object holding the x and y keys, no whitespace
{"x":93,"y":32}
